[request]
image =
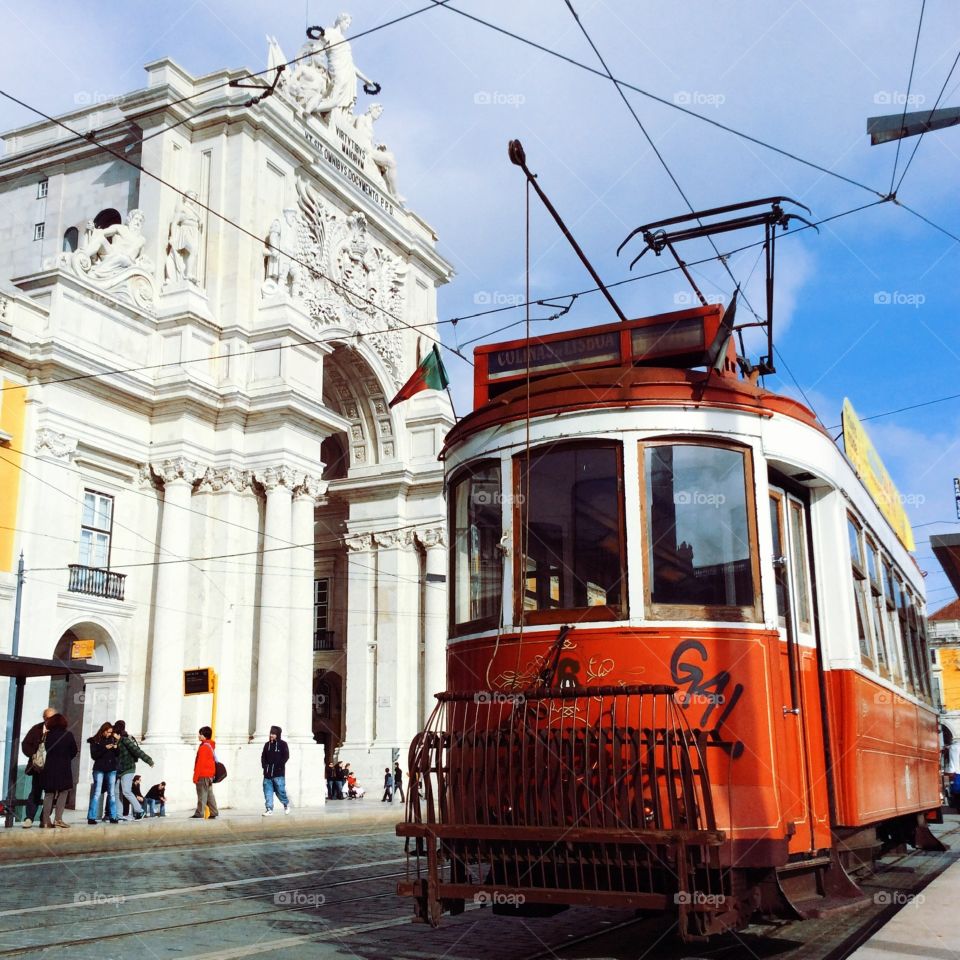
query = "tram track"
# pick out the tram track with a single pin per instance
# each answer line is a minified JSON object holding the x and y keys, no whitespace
{"x":301,"y":891}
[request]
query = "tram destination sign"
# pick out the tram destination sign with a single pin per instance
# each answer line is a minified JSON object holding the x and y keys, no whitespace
{"x":569,"y":353}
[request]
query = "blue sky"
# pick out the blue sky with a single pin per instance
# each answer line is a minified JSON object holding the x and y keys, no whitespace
{"x":865,"y":309}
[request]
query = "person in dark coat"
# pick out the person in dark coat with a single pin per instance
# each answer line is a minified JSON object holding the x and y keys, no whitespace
{"x":103,"y":751}
{"x":273,"y":760}
{"x":387,"y":786}
{"x":57,"y":773}
{"x":29,"y":746}
{"x":398,"y":780}
{"x":331,"y":782}
{"x":339,"y":779}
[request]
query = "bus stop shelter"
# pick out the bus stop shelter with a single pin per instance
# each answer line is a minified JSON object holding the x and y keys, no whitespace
{"x":21,"y":668}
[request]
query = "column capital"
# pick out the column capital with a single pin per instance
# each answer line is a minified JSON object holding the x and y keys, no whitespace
{"x":393,"y":539}
{"x":310,"y":488}
{"x":177,"y":468}
{"x":430,"y":537}
{"x":358,"y":542}
{"x":231,"y":479}
{"x":270,"y":478}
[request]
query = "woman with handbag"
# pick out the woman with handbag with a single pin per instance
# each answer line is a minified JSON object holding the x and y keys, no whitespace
{"x":57,"y":773}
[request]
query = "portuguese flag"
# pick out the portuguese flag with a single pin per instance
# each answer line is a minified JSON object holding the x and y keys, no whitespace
{"x":430,"y":375}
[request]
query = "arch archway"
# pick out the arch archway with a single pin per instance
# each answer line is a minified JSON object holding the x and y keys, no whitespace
{"x":327,"y":710}
{"x":86,"y":701}
{"x":107,"y":218}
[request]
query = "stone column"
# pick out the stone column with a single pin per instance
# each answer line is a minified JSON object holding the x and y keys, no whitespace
{"x":173,"y":587}
{"x":300,"y":682}
{"x":358,"y":688}
{"x":273,"y":652}
{"x":435,"y":617}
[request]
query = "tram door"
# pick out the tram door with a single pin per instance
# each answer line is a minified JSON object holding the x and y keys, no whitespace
{"x":798,"y":667}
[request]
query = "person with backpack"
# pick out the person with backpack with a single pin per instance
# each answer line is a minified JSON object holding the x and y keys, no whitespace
{"x":103,"y":752}
{"x":128,"y":753}
{"x":56,"y":776}
{"x":273,"y":760}
{"x":30,"y":744}
{"x":204,"y":770}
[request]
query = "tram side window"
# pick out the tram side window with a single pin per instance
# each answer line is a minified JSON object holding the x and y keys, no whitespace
{"x":476,"y":560}
{"x":917,"y":645}
{"x":875,"y":599}
{"x":859,"y":573}
{"x":700,"y":532}
{"x":798,"y":538}
{"x":892,"y":623}
{"x":571,"y":542}
{"x":909,"y":667}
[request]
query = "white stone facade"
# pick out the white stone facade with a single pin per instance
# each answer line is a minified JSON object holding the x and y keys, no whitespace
{"x":243,"y":434}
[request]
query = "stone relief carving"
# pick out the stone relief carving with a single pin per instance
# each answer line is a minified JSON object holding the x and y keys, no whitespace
{"x":280,"y":476}
{"x":50,"y":443}
{"x":112,"y":258}
{"x":311,"y":488}
{"x":178,"y":468}
{"x":352,"y":280}
{"x":183,"y":246}
{"x":390,"y":539}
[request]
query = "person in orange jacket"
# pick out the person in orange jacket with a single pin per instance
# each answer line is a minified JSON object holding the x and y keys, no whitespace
{"x":204,"y":770}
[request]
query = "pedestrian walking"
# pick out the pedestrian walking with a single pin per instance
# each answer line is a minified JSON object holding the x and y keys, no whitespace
{"x":340,"y":778}
{"x":273,"y":759}
{"x":29,"y":745}
{"x":155,"y":800}
{"x":103,"y":752}
{"x":387,"y":786}
{"x":398,"y":781}
{"x":57,"y":773}
{"x":331,"y":781}
{"x":128,"y":753}
{"x":204,"y":770}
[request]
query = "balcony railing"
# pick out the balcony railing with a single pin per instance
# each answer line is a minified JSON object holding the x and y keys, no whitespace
{"x":324,"y":640}
{"x":96,"y":581}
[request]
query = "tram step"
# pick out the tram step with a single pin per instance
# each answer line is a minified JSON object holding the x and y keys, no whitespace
{"x":817,"y":907}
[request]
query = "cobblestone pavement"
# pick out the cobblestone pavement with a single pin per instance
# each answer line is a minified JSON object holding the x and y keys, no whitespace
{"x":333,"y":896}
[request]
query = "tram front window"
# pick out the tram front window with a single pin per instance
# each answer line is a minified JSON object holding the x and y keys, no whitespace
{"x":571,"y":540}
{"x":476,"y":558}
{"x":700,"y":532}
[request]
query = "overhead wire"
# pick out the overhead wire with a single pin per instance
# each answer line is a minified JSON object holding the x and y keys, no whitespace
{"x":906,"y":101}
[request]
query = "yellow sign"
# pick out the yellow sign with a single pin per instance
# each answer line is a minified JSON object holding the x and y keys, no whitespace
{"x":870,"y":469}
{"x":82,"y":649}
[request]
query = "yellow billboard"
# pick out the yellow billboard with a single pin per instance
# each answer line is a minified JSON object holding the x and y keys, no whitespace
{"x":869,"y":467}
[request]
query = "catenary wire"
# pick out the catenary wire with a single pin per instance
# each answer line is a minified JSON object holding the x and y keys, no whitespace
{"x":906,"y":102}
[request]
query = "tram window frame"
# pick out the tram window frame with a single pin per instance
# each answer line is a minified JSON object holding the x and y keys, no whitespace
{"x":562,"y":614}
{"x":895,"y":645}
{"x":874,"y":574}
{"x":801,"y":563}
{"x":860,"y":580}
{"x":910,"y":670}
{"x":918,"y":650}
{"x":467,"y":473}
{"x":925,"y":653}
{"x":726,"y":613}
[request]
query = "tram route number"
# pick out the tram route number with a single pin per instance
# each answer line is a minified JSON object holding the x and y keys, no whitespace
{"x":714,"y":694}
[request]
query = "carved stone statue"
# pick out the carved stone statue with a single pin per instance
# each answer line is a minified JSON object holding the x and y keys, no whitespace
{"x":282,"y":271}
{"x":321,"y":88}
{"x":183,"y":249}
{"x":386,"y":163}
{"x":113,"y":259}
{"x":364,"y":125}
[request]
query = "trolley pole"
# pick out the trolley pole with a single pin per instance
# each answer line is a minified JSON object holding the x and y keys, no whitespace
{"x":13,"y":695}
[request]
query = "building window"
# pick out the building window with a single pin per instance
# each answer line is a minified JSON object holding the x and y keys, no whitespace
{"x":95,"y":529}
{"x":701,"y":532}
{"x":570,"y":543}
{"x":42,"y":187}
{"x":38,"y":230}
{"x":476,"y":560}
{"x":322,"y":635}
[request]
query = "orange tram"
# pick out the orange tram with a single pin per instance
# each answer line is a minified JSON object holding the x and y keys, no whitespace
{"x":687,"y":668}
